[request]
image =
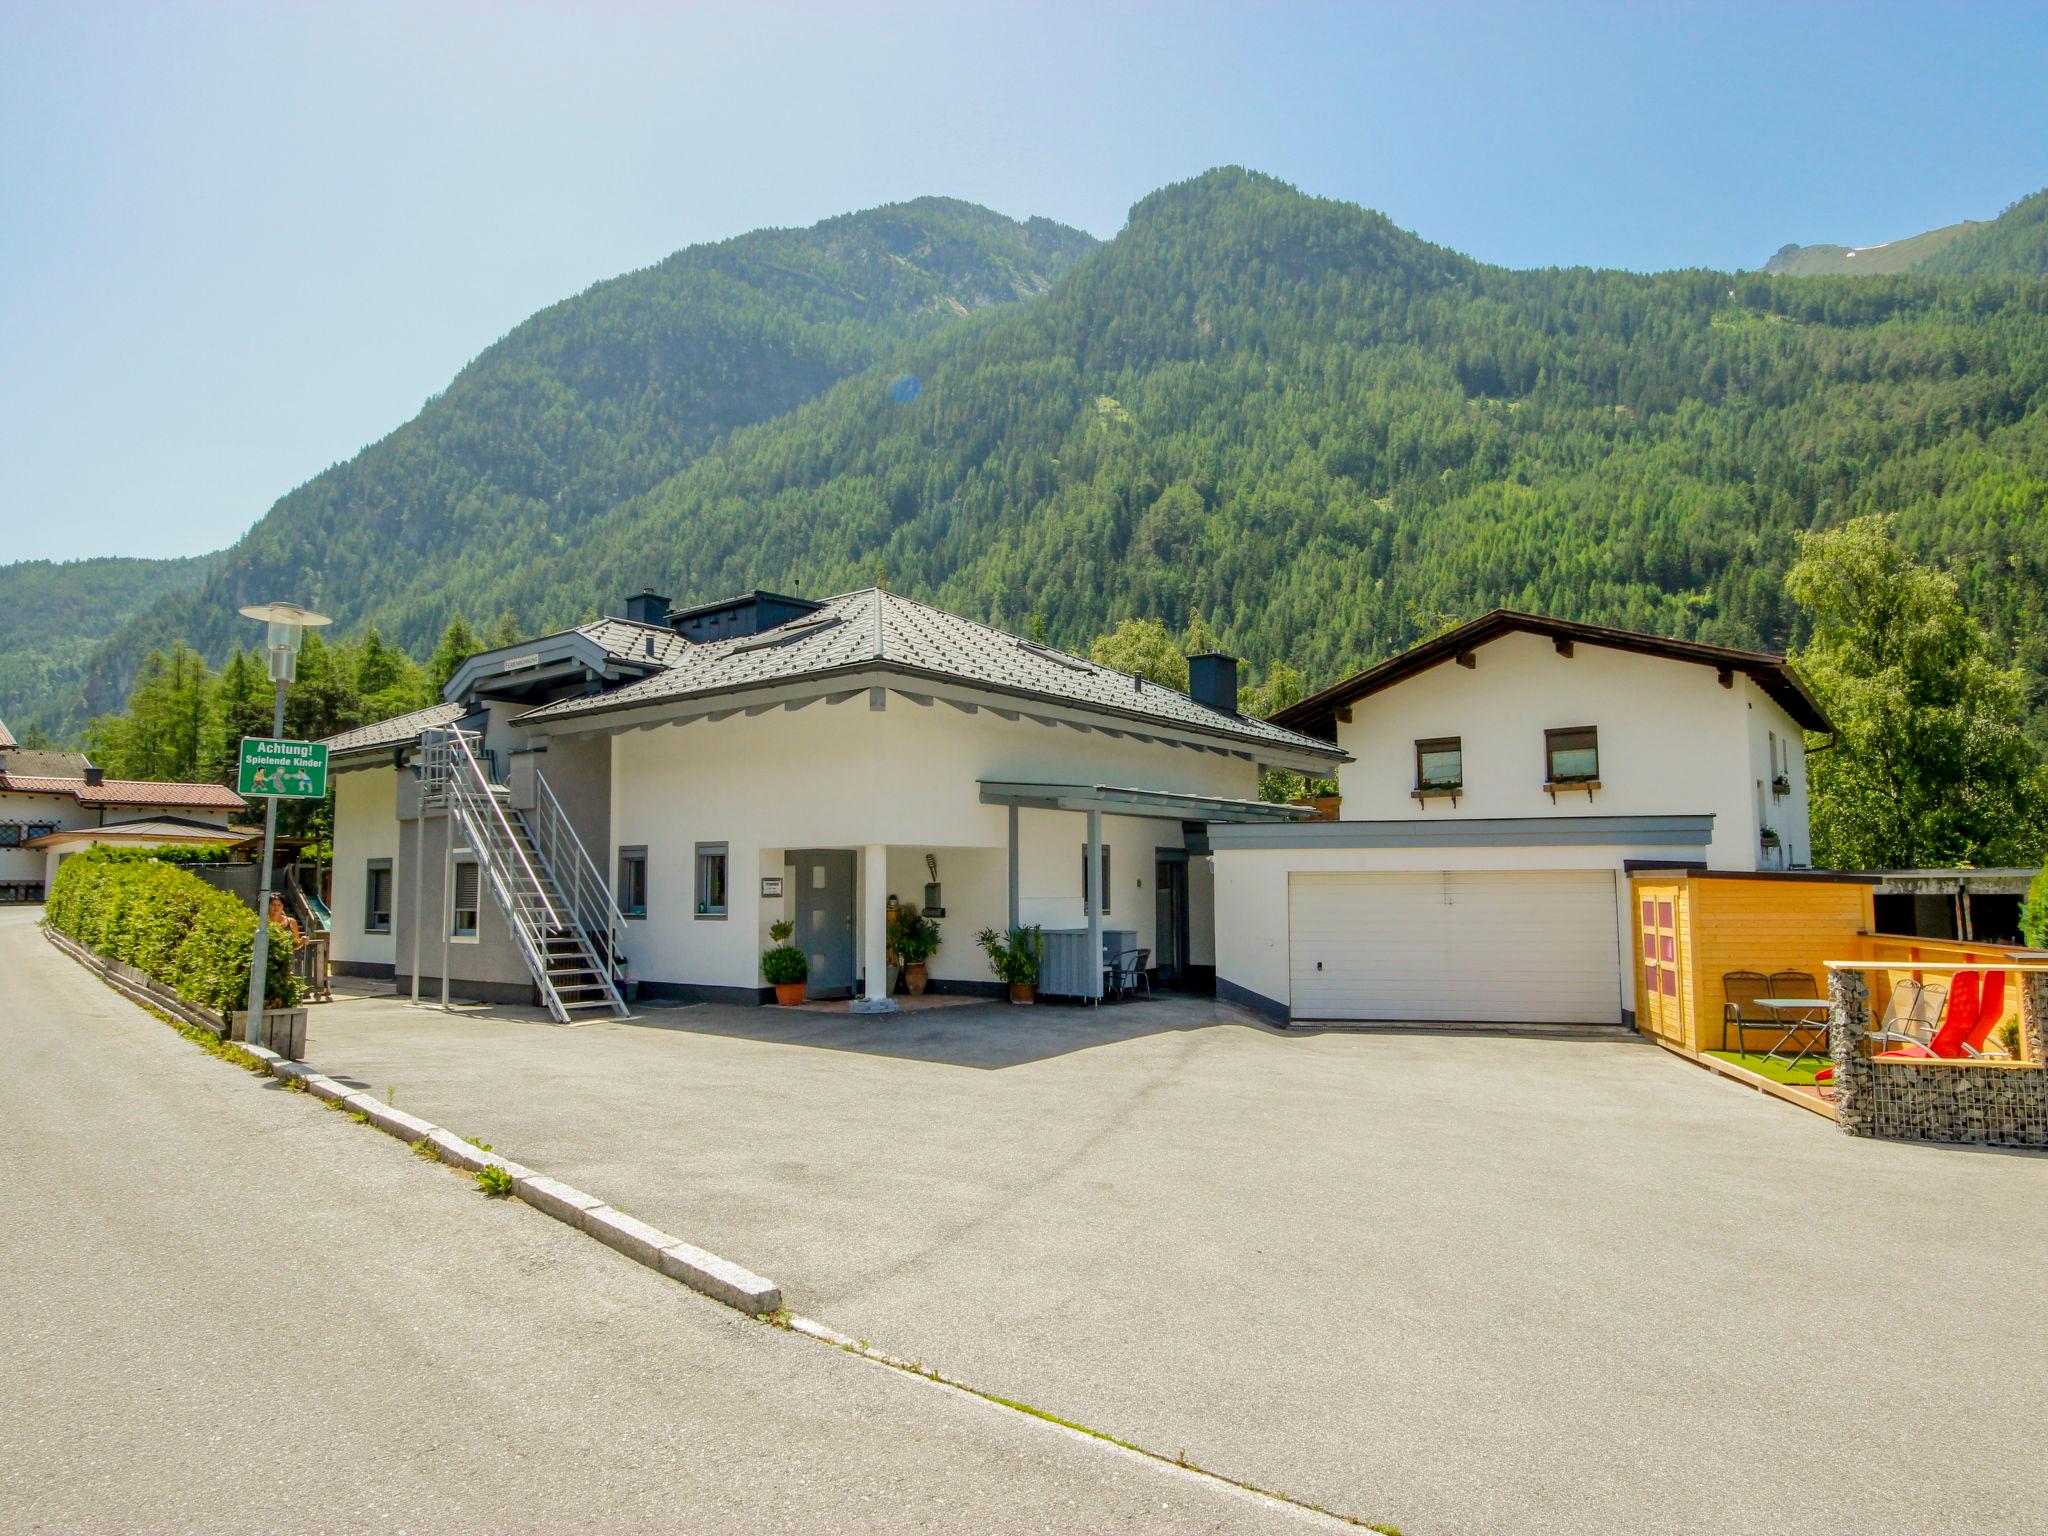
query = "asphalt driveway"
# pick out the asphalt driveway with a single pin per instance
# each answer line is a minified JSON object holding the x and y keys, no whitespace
{"x":1461,"y":1283}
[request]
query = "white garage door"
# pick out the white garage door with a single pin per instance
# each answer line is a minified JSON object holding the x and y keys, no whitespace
{"x":1534,"y":947}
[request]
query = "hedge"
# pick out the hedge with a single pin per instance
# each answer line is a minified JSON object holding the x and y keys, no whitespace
{"x":169,"y":924}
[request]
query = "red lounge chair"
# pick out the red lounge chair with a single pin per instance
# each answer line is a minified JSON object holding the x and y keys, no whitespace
{"x":1975,"y":1005}
{"x":1972,"y":1015}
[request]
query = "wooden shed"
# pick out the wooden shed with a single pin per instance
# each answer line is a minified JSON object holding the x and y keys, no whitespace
{"x":1694,"y":926}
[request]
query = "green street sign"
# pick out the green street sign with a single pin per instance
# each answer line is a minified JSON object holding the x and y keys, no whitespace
{"x":283,"y":770}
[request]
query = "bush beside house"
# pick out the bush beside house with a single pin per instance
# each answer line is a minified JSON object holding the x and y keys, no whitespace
{"x":169,"y":924}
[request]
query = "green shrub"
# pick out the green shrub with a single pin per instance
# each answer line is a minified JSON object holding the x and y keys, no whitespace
{"x":168,"y":924}
{"x":2034,"y":911}
{"x":913,"y":936}
{"x":1014,"y":956}
{"x":785,"y":964}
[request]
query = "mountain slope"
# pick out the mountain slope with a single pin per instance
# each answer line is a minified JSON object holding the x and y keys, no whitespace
{"x":1326,"y":435}
{"x":1888,"y":259}
{"x":2015,"y":244}
{"x":594,"y":400}
{"x":54,"y":614}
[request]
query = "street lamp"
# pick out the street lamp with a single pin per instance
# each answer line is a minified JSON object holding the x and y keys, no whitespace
{"x":286,"y":620}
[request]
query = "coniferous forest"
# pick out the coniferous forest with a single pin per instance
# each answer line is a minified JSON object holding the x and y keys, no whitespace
{"x":1319,"y":434}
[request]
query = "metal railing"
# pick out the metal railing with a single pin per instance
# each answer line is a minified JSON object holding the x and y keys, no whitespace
{"x":452,"y":778}
{"x":581,"y":883}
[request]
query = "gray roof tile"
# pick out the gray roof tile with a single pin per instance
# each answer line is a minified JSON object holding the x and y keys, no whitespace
{"x":392,"y":732}
{"x":876,"y":629}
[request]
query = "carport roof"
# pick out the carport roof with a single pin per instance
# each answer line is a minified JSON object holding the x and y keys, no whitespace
{"x":1161,"y":804}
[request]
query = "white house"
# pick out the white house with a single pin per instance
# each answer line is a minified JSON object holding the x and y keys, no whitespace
{"x":1502,"y":780}
{"x":54,"y":803}
{"x":639,"y":799}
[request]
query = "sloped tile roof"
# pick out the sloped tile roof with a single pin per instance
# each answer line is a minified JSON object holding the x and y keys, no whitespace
{"x":627,"y":639}
{"x":6,"y":736}
{"x":168,"y":827}
{"x":150,"y":792}
{"x":125,"y":791}
{"x":396,"y":730}
{"x":34,"y":764}
{"x":876,"y":629}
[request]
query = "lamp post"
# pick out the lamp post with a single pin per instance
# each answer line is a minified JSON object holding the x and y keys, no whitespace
{"x":286,"y":620}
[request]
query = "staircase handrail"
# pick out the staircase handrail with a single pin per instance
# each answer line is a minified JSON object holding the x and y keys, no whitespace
{"x":472,"y":795}
{"x":590,"y":898}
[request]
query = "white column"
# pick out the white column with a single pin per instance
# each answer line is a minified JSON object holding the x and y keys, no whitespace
{"x":1014,"y":919}
{"x":874,"y":931}
{"x":1095,"y":894}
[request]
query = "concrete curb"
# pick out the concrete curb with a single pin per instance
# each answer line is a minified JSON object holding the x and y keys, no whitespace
{"x":719,"y":1279}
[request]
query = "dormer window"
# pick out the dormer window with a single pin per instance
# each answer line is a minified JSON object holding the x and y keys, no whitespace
{"x":1571,"y":758}
{"x":1440,"y":768}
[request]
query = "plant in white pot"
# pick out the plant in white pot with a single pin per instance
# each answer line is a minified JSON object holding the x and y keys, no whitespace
{"x":784,"y":966}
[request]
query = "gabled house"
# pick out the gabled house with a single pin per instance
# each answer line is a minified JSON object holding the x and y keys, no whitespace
{"x":637,"y":800}
{"x":45,"y":794}
{"x":1501,"y":779}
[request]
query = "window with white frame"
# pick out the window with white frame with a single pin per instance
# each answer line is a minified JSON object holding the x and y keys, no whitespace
{"x":465,"y":887}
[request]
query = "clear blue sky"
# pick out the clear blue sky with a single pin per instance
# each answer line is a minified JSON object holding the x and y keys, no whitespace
{"x":237,"y":242}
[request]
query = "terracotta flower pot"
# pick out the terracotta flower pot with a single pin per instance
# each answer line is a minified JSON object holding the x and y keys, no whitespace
{"x":789,"y":994}
{"x":915,"y":977}
{"x":1023,"y":991}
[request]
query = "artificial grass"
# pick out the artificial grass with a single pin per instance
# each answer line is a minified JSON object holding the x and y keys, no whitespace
{"x":1777,"y":1070}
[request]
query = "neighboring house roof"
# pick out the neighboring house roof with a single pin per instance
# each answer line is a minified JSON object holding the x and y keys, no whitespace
{"x":150,"y":792}
{"x":873,"y":630}
{"x":6,"y":737}
{"x":396,"y":731}
{"x":34,"y":764}
{"x":125,"y":791}
{"x":628,"y":639}
{"x":157,"y":829}
{"x":1316,"y":714}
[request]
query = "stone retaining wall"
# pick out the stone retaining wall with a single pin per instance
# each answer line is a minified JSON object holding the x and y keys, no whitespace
{"x":1963,"y":1102}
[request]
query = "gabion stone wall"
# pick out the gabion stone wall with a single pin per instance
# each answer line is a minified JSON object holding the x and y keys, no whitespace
{"x":1997,"y":1106}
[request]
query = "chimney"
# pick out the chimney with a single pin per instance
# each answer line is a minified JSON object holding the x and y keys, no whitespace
{"x":1212,"y":680}
{"x":647,"y":607}
{"x":95,"y":775}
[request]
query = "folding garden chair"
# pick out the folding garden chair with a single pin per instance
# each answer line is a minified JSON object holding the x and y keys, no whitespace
{"x":1742,"y":989}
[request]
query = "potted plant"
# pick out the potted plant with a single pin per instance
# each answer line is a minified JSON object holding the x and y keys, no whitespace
{"x":1014,"y":957}
{"x":915,"y":938}
{"x":785,"y":966}
{"x":1781,"y":785}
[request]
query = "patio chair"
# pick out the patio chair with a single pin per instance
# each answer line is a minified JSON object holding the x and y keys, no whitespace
{"x":1740,"y":1013}
{"x":1975,"y":1007}
{"x":1126,"y":971}
{"x":1797,"y":984}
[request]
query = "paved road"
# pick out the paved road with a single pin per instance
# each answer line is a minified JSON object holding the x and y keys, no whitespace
{"x":224,"y":1309}
{"x":1462,"y":1284}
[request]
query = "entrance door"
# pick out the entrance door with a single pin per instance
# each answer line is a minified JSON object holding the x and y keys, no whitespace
{"x":824,"y":892}
{"x":1170,"y":931}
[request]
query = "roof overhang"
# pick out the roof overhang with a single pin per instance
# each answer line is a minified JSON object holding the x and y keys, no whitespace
{"x":1683,"y":831}
{"x":837,"y":685}
{"x":1156,"y":804}
{"x":1316,"y":715}
{"x":549,"y":660}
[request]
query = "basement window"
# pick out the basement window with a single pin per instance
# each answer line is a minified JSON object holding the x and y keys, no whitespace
{"x":632,"y":888}
{"x":711,"y":872}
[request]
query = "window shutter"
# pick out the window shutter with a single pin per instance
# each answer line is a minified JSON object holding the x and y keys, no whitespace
{"x":465,"y":887}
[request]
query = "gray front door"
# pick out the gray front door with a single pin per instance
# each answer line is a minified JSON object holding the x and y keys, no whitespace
{"x":824,"y":891}
{"x":1170,"y":912}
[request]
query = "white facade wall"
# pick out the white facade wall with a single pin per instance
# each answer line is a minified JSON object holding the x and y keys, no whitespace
{"x":1673,"y":741}
{"x":365,"y":828}
{"x":26,"y":865}
{"x":906,"y":776}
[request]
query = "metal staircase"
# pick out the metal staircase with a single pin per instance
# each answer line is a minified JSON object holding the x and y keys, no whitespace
{"x":560,"y":911}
